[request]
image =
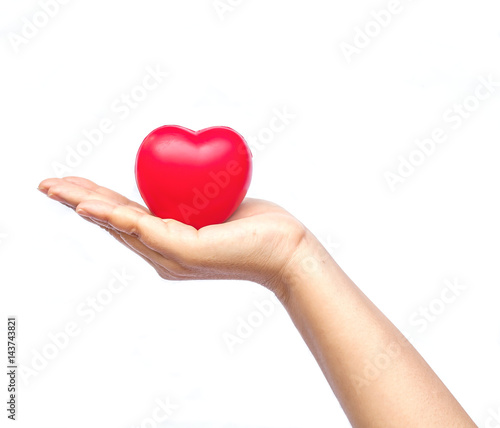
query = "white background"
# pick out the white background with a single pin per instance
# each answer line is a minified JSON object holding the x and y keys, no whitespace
{"x":353,"y":117}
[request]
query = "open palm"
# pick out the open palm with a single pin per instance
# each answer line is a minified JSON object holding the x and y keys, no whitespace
{"x":256,"y":243}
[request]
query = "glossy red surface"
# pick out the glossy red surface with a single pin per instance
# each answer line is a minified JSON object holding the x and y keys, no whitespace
{"x":199,"y":178}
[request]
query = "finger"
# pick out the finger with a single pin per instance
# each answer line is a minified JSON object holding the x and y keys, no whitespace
{"x":45,"y":184}
{"x":112,"y":195}
{"x":72,"y":194}
{"x":170,"y":238}
{"x":72,"y":190}
{"x":171,"y":268}
{"x":120,"y":238}
{"x":96,"y":222}
{"x":99,"y":223}
{"x":167,"y":269}
{"x":115,"y":234}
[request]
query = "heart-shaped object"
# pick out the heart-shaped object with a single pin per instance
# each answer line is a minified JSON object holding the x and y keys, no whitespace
{"x":196,"y":177}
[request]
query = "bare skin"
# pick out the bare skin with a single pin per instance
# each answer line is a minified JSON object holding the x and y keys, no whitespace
{"x":261,"y":242}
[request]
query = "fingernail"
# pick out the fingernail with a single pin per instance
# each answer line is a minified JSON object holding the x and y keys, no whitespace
{"x":54,"y":197}
{"x":82,"y":212}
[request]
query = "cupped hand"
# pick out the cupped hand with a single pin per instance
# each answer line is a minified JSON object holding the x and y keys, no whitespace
{"x":257,"y":243}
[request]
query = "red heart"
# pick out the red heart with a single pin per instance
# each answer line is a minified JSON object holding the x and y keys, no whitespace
{"x":198,"y":178}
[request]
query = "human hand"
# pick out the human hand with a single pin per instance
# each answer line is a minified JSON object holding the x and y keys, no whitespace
{"x":259,"y":242}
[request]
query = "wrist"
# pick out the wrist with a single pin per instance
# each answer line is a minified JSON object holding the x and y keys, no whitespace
{"x":307,"y":264}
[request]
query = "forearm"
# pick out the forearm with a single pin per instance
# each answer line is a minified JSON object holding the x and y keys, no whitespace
{"x":349,"y":337}
{"x":345,"y":331}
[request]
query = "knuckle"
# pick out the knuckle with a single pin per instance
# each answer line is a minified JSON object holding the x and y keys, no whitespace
{"x":140,"y":223}
{"x":55,"y":189}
